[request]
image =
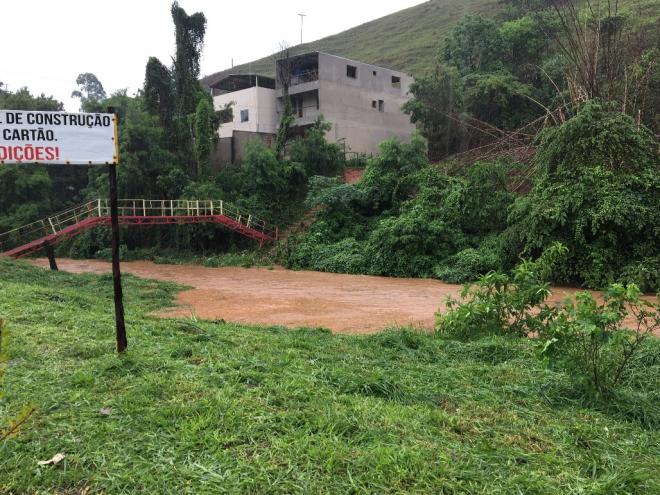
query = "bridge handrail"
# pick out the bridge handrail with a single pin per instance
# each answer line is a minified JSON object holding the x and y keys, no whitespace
{"x":182,"y":208}
{"x":134,"y":208}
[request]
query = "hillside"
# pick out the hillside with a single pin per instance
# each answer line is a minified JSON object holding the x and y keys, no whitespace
{"x":405,"y":40}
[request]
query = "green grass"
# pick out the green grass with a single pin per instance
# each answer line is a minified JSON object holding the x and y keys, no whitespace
{"x":245,"y":259}
{"x":203,"y":407}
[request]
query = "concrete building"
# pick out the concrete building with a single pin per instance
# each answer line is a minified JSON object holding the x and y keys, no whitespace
{"x":253,"y":101}
{"x":362,"y":102}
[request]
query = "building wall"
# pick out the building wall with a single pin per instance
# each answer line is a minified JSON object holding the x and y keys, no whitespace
{"x":223,"y":153}
{"x":333,"y":68}
{"x":259,"y":102}
{"x":241,"y":139}
{"x":347,"y":103}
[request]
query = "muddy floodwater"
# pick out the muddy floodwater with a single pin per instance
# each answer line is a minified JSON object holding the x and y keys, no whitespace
{"x":356,"y":304}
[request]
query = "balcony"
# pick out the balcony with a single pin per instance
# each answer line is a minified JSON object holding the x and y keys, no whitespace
{"x":305,"y":115}
{"x":305,"y":77}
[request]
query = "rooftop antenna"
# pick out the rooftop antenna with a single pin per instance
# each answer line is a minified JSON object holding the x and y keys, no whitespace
{"x":302,"y":18}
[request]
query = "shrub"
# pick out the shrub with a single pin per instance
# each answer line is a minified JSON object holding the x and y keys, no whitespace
{"x":587,"y":339}
{"x":345,"y":256}
{"x":598,"y":193}
{"x":314,"y":153}
{"x":467,"y":265}
{"x":504,"y":305}
{"x":644,"y":273}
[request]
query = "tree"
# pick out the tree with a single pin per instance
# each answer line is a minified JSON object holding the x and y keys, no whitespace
{"x":284,"y":70}
{"x":90,"y":91}
{"x":205,"y":135}
{"x":436,"y":108}
{"x":500,"y":99}
{"x":26,"y":191}
{"x":598,"y":192}
{"x":315,"y":153}
{"x":158,"y":97}
{"x":189,"y":31}
{"x":474,"y":45}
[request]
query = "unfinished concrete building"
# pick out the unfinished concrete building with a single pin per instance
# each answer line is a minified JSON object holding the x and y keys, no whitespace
{"x":362,"y":102}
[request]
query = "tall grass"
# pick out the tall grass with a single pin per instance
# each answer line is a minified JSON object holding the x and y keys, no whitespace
{"x":201,"y":407}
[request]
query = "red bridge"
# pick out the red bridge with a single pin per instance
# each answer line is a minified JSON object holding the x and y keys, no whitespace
{"x":30,"y":238}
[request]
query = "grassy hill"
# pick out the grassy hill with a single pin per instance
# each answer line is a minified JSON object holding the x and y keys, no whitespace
{"x":408,"y":40}
{"x":405,"y":40}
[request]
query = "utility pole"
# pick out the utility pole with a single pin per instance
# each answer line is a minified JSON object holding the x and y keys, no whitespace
{"x":302,"y":17}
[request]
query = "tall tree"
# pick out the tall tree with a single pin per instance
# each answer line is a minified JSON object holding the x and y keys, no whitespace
{"x":90,"y":91}
{"x":205,"y":135}
{"x":158,"y":97}
{"x":189,"y":32}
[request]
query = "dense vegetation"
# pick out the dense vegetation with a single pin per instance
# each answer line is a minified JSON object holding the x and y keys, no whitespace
{"x":597,"y":190}
{"x":508,"y":395}
{"x":586,"y":173}
{"x":197,"y":407}
{"x":539,"y":59}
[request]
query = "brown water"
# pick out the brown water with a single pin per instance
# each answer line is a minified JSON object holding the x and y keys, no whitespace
{"x":356,"y":304}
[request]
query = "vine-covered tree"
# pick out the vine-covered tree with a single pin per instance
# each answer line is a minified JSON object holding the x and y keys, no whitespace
{"x":158,"y":97}
{"x":189,"y":33}
{"x":205,"y":135}
{"x":184,"y":108}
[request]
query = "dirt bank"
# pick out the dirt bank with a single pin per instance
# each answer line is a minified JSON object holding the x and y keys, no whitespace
{"x":356,"y":304}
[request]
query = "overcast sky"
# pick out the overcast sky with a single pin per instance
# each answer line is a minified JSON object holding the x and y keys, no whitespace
{"x":47,"y":43}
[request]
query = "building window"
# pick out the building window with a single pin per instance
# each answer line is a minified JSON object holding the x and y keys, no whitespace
{"x":245,"y":115}
{"x":381,"y":106}
{"x":375,"y":73}
{"x":374,"y":104}
{"x":351,"y":71}
{"x":396,"y":82}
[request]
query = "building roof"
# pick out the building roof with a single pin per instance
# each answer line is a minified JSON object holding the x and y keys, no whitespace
{"x":211,"y":80}
{"x":237,"y":82}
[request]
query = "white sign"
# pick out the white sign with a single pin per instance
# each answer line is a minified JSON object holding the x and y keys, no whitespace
{"x":58,"y":138}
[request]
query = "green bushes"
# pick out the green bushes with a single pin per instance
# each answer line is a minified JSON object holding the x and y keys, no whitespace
{"x":406,"y":218}
{"x":644,"y":273}
{"x":499,"y":304}
{"x":598,"y":193}
{"x":583,"y":338}
{"x":587,"y":339}
{"x":467,"y":265}
{"x":314,"y":153}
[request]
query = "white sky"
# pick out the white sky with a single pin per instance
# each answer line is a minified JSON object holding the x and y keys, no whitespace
{"x":47,"y":43}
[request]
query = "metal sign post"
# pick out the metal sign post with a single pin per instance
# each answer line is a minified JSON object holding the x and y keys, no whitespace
{"x":122,"y":341}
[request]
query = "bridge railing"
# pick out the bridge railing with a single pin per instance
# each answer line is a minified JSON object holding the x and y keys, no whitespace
{"x":183,"y":208}
{"x":177,"y":208}
{"x":24,"y":234}
{"x":45,"y":227}
{"x":72,"y":216}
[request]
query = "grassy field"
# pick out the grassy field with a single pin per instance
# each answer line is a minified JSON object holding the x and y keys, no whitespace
{"x":211,"y":407}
